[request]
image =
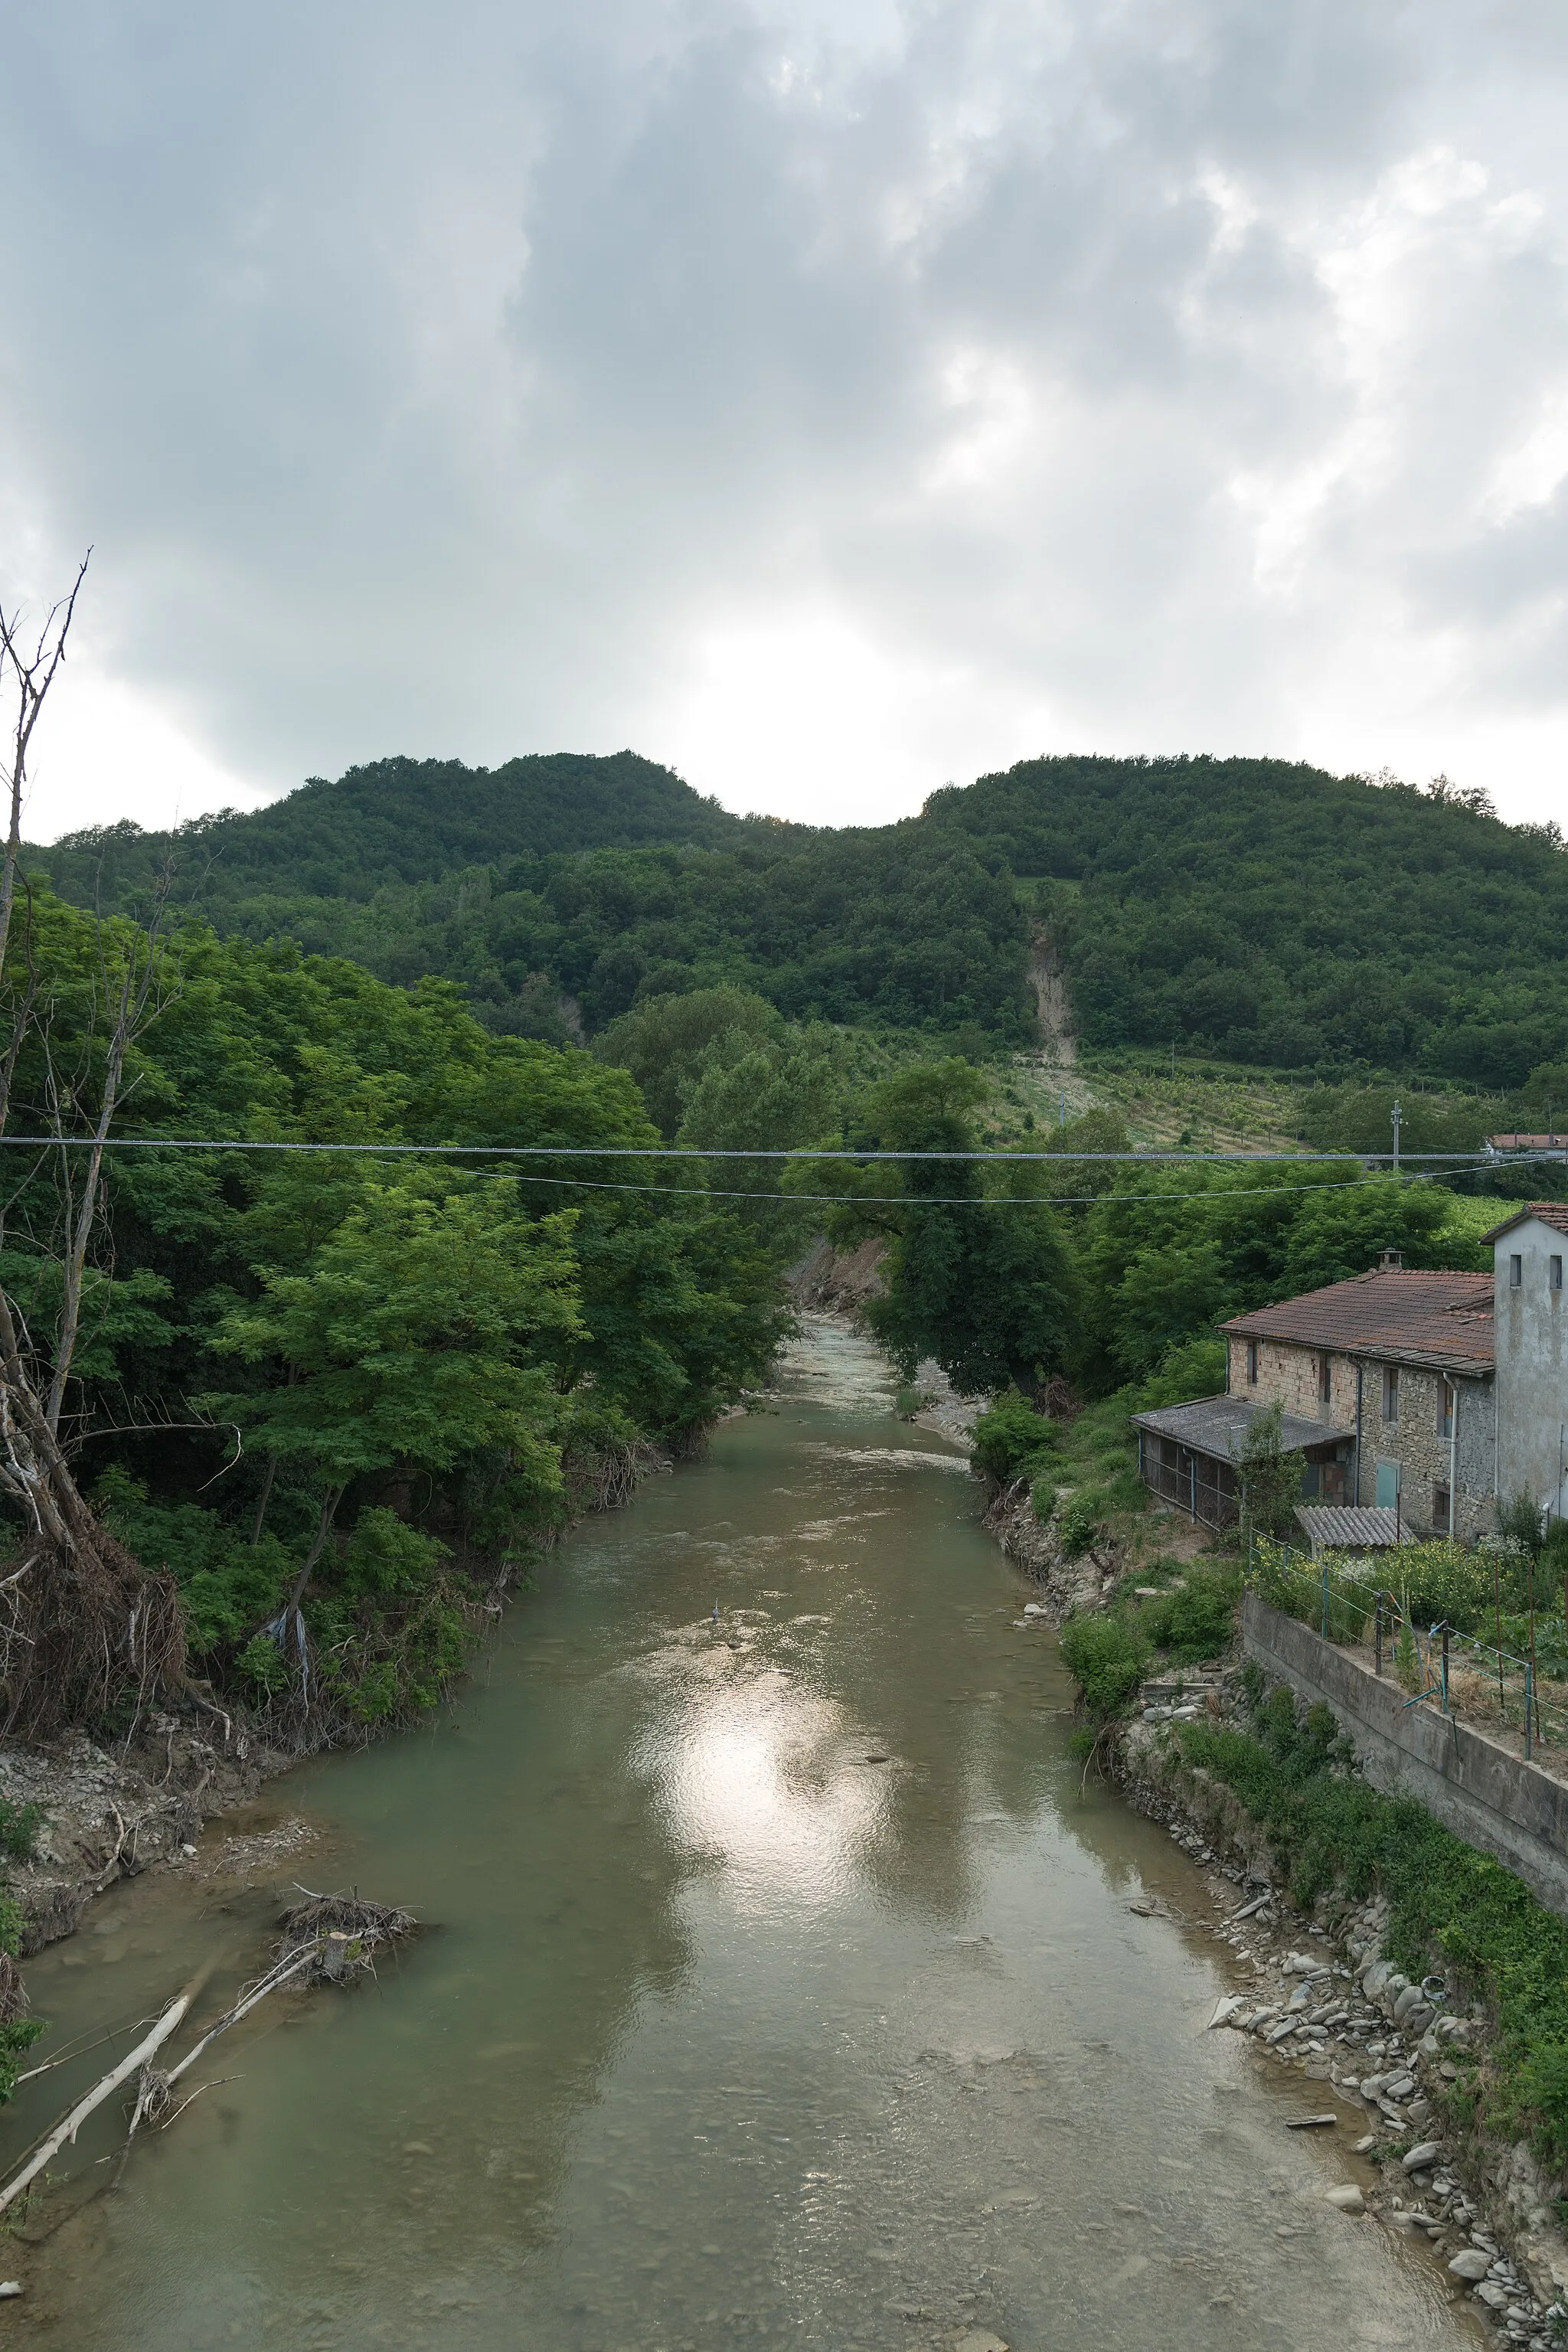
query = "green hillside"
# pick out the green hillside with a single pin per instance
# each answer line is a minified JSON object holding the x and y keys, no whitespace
{"x":1261,"y":912}
{"x":390,"y":821}
{"x":1273,"y":914}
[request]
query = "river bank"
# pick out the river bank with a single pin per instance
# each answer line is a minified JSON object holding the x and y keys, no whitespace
{"x":1319,"y":2001}
{"x":105,"y":1815}
{"x":105,"y":1811}
{"x":1485,"y":2207}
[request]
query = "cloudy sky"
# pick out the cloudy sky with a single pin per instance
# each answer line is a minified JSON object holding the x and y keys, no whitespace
{"x":830,"y":397}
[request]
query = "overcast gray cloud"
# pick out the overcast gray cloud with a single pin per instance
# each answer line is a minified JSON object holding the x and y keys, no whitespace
{"x":831,"y":400}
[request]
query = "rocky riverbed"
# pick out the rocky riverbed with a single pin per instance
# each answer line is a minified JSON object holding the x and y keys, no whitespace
{"x":1317,"y":1999}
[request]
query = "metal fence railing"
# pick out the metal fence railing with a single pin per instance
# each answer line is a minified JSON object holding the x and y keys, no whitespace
{"x":1453,"y":1669}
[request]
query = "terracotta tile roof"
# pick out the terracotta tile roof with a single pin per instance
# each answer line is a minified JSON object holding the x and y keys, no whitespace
{"x":1413,"y":1316}
{"x":1551,"y":1212}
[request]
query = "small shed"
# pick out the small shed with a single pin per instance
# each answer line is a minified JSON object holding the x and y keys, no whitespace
{"x":1188,"y":1454}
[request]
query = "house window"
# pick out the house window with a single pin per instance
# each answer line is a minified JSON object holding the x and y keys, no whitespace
{"x":1252,"y":1363}
{"x":1325,"y":1379}
{"x":1391,"y":1392}
{"x":1442,"y":1510}
{"x":1444,"y":1408}
{"x":1516,"y":1272}
{"x":1554,"y":1273}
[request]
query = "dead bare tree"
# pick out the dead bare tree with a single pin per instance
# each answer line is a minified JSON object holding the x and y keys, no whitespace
{"x":82,"y":1623}
{"x":31,"y":674}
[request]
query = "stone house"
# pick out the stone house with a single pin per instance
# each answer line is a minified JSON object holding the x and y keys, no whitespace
{"x":1531,"y":1355}
{"x":1386,"y":1385}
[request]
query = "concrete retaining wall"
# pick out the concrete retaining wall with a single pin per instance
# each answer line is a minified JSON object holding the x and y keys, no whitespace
{"x":1492,"y":1799}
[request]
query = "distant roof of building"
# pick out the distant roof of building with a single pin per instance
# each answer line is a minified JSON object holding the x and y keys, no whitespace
{"x":1349,"y":1527}
{"x":1551,"y":1212}
{"x":1526,"y":1143}
{"x":1218,"y":1425}
{"x":1405,"y":1314}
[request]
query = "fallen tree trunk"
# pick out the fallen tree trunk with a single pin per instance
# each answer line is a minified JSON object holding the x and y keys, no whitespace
{"x":327,"y":1938}
{"x":156,"y":2088}
{"x":66,"y":2131}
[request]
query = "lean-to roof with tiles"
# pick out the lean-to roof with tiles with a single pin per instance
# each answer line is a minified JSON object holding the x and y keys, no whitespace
{"x":1406,"y":1315}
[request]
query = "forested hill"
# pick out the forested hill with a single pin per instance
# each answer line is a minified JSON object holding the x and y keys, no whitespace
{"x":603,"y":879}
{"x":391,"y":821}
{"x":1256,"y":909}
{"x":1275,"y":914}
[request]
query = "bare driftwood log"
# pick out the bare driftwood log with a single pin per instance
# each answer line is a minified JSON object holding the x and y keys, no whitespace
{"x":328,"y":1939}
{"x":66,"y":2131}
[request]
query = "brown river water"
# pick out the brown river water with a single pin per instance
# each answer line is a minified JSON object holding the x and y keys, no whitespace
{"x":782,"y":1986}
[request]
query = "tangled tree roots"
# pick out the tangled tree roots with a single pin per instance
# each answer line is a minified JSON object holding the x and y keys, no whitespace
{"x":85,"y":1632}
{"x":345,"y":1931}
{"x":606,"y":1477}
{"x":14,"y":2002}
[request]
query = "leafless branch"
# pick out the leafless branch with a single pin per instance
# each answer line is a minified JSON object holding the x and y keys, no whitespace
{"x":31,"y":675}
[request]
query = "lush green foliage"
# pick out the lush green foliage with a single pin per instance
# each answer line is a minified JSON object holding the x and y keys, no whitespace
{"x":981,"y":1277}
{"x":538,"y":888}
{"x":1195,"y":1619}
{"x":1107,"y":1659}
{"x":1287,"y":916}
{"x":17,"y":2036}
{"x":1168,"y":1253}
{"x":1259,"y":910}
{"x":294,"y":1353}
{"x":1431,"y":1583}
{"x":1013,"y":1441}
{"x":19,"y":1827}
{"x":1269,"y":1476}
{"x":1448,"y":1902}
{"x":386,"y":823}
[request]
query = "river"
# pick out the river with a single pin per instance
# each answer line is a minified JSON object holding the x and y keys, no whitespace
{"x":782,"y":1986}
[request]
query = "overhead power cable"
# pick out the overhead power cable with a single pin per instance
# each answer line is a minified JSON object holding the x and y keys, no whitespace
{"x":1461,"y":1165}
{"x":730,"y":1151}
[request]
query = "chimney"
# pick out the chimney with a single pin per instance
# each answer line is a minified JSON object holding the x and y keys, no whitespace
{"x":1390,"y":1261}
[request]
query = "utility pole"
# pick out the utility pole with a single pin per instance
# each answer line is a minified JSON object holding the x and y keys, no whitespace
{"x":1396,"y":1119}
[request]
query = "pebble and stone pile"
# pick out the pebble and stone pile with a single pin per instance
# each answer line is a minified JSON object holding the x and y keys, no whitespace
{"x":1331,"y":2009}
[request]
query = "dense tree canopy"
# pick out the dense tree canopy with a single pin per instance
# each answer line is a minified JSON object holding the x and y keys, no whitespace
{"x":279,"y":1346}
{"x":1256,"y":908}
{"x":1279,"y":915}
{"x":388,"y":821}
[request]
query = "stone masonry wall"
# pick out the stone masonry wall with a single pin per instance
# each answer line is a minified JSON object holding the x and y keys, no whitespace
{"x":1423,"y":1456}
{"x":1288,"y":1375}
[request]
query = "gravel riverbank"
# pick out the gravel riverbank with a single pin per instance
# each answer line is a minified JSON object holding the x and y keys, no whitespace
{"x":1316,"y":1998}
